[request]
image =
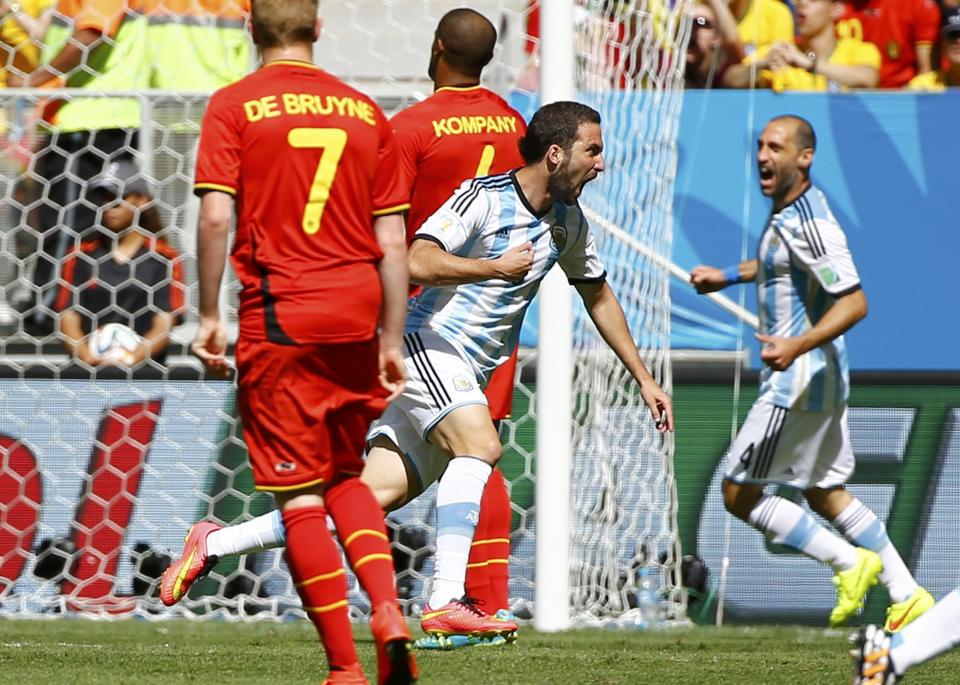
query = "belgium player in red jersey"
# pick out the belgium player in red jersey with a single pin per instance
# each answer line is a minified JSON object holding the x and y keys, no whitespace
{"x":311,"y":165}
{"x":461,"y":131}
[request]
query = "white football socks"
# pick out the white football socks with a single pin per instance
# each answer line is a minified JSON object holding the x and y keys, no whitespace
{"x":458,"y":510}
{"x":860,"y":526}
{"x":256,"y":535}
{"x":786,"y":523}
{"x":933,"y":633}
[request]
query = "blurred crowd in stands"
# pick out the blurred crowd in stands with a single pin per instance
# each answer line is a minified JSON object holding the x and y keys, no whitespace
{"x":806,"y":45}
{"x":825,"y":45}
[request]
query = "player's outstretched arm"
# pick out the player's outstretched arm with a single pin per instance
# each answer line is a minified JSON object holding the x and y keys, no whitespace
{"x":709,"y":279}
{"x":432,"y":265}
{"x":392,"y":239}
{"x":779,"y":353}
{"x":210,"y":343}
{"x":606,"y":313}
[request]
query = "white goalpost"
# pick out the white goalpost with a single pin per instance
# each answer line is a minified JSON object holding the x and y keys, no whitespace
{"x":618,"y":524}
{"x":554,"y":366}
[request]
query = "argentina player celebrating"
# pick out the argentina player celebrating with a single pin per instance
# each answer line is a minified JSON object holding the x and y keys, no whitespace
{"x":481,"y":258}
{"x":796,"y":433}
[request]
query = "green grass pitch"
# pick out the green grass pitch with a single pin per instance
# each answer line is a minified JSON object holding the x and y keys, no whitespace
{"x":82,"y":651}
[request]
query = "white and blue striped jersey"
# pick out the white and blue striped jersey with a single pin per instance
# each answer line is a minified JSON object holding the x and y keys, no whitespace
{"x":804,"y":265}
{"x":483,"y":219}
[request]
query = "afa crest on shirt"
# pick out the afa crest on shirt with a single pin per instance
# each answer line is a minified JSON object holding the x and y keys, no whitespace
{"x":462,"y":383}
{"x":774,"y":242}
{"x":558,"y":237}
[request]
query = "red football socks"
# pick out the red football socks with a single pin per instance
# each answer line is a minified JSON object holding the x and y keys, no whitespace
{"x":363,"y":535}
{"x":314,"y":562}
{"x":487,"y":570}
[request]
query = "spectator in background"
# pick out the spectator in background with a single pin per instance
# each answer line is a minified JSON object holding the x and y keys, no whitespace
{"x":949,"y":75}
{"x":903,"y":30}
{"x":714,"y":45}
{"x":22,"y":28}
{"x":946,"y":9}
{"x":821,"y":62}
{"x":98,"y":45}
{"x":761,"y":24}
{"x":197,"y":45}
{"x":124,"y":274}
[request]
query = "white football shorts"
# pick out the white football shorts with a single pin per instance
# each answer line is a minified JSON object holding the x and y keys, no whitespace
{"x":439,"y":380}
{"x":792,"y":447}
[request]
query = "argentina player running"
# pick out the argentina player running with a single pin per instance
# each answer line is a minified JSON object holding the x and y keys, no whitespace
{"x":481,"y":258}
{"x":796,"y":433}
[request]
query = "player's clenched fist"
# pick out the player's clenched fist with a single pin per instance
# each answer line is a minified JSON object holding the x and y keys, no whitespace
{"x":515,"y":263}
{"x":707,"y":279}
{"x":779,"y":353}
{"x":660,"y":405}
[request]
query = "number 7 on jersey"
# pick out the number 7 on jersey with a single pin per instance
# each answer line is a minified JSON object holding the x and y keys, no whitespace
{"x":331,"y":142}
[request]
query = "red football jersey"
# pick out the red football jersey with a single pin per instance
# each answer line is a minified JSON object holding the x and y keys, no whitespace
{"x":453,"y":135}
{"x":896,"y":27}
{"x":311,"y":161}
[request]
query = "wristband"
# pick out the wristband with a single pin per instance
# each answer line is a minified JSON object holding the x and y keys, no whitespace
{"x":732,"y":274}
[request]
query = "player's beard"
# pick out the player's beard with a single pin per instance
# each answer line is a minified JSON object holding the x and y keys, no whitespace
{"x":787,"y":182}
{"x":560,"y":186}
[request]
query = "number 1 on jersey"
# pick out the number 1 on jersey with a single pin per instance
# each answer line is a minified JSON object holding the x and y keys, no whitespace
{"x":486,"y":161}
{"x":331,"y":142}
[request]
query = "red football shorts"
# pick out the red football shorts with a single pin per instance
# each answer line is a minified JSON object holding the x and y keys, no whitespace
{"x":499,"y":390}
{"x":306,"y":409}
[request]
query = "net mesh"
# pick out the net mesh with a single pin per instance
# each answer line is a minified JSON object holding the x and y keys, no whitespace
{"x":102,"y":474}
{"x":624,"y":501}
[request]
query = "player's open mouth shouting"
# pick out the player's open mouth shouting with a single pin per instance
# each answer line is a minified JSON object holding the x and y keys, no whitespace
{"x":768,"y":178}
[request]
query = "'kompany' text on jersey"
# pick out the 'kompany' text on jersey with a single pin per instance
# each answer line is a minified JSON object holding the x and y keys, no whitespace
{"x":459,"y":125}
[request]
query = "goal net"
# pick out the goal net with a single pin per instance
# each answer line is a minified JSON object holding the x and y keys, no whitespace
{"x":629,"y":68}
{"x":102,"y":474}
